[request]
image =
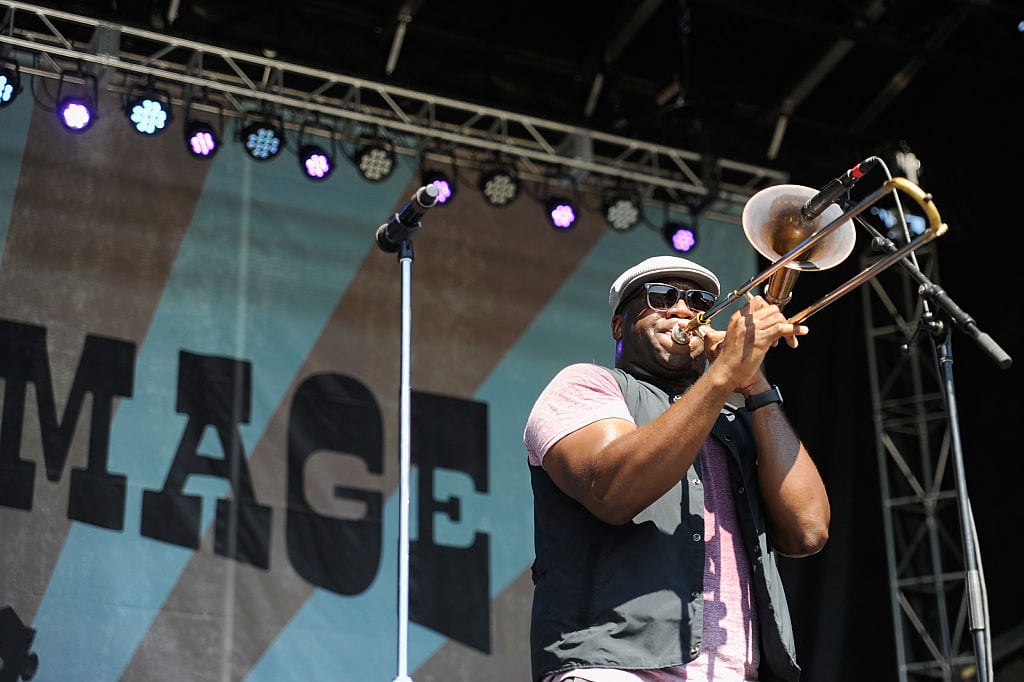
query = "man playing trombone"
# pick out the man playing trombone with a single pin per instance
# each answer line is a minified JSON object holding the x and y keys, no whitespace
{"x":658,"y":506}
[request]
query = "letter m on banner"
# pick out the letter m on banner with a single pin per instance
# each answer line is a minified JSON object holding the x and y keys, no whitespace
{"x":106,"y":369}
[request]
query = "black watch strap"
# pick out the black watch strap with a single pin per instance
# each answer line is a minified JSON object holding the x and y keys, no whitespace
{"x":772,"y":395}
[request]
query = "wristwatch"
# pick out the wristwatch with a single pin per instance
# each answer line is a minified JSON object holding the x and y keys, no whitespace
{"x":772,"y":395}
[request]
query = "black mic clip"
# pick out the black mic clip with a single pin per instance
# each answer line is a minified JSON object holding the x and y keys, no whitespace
{"x":836,"y":188}
{"x":402,"y":225}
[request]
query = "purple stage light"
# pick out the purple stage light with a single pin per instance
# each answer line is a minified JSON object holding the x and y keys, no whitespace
{"x":444,"y":190}
{"x":317,"y":166}
{"x":561,"y":213}
{"x":315,"y":162}
{"x":202,"y":143}
{"x":681,"y":239}
{"x":76,"y":115}
{"x":202,"y":139}
{"x":76,"y":100}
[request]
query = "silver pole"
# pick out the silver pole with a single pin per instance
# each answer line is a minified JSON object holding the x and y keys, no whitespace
{"x":405,"y":463}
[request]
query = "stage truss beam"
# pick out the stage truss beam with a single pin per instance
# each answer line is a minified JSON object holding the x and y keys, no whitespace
{"x":46,"y":41}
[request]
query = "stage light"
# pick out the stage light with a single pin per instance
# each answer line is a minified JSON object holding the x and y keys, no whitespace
{"x":445,"y":188}
{"x":622,"y":213}
{"x":682,"y":238}
{"x":682,"y":235}
{"x":499,"y":186}
{"x":148,"y":109}
{"x":202,"y":139}
{"x":315,"y":162}
{"x":561,"y":213}
{"x":76,"y":100}
{"x":10,"y":83}
{"x":375,"y":160}
{"x":263,"y":139}
{"x":202,"y":136}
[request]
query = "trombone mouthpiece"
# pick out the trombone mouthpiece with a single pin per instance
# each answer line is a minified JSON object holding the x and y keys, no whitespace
{"x":684,"y":331}
{"x":681,"y":335}
{"x":691,"y":336}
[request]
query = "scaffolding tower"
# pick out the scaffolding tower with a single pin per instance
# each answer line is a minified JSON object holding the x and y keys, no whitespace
{"x":924,"y":548}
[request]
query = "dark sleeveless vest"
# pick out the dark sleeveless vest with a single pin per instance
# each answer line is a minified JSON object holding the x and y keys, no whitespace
{"x":631,"y":596}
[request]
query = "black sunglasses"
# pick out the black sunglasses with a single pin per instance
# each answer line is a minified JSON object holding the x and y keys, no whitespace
{"x":665,"y":296}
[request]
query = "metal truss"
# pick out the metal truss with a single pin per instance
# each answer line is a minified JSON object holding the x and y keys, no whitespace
{"x":47,"y":41}
{"x":927,"y":575}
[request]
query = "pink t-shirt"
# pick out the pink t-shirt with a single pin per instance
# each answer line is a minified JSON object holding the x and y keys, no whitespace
{"x":582,"y":394}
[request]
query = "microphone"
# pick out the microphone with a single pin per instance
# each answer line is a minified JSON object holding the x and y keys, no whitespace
{"x":403,"y":224}
{"x":828,"y":194}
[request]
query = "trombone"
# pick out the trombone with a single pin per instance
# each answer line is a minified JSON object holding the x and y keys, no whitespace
{"x":772,"y":222}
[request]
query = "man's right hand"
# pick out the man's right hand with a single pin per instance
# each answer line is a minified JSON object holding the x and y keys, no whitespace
{"x":753,"y":330}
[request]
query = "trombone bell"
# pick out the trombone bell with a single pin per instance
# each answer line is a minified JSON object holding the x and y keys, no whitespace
{"x":772,"y":221}
{"x":773,"y":224}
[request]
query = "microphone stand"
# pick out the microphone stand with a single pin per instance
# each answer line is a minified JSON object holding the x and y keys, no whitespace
{"x":977,"y":596}
{"x":942,"y":351}
{"x":396,"y":236}
{"x":405,"y":258}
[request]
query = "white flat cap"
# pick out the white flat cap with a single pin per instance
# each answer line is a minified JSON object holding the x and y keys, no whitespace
{"x":660,"y":267}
